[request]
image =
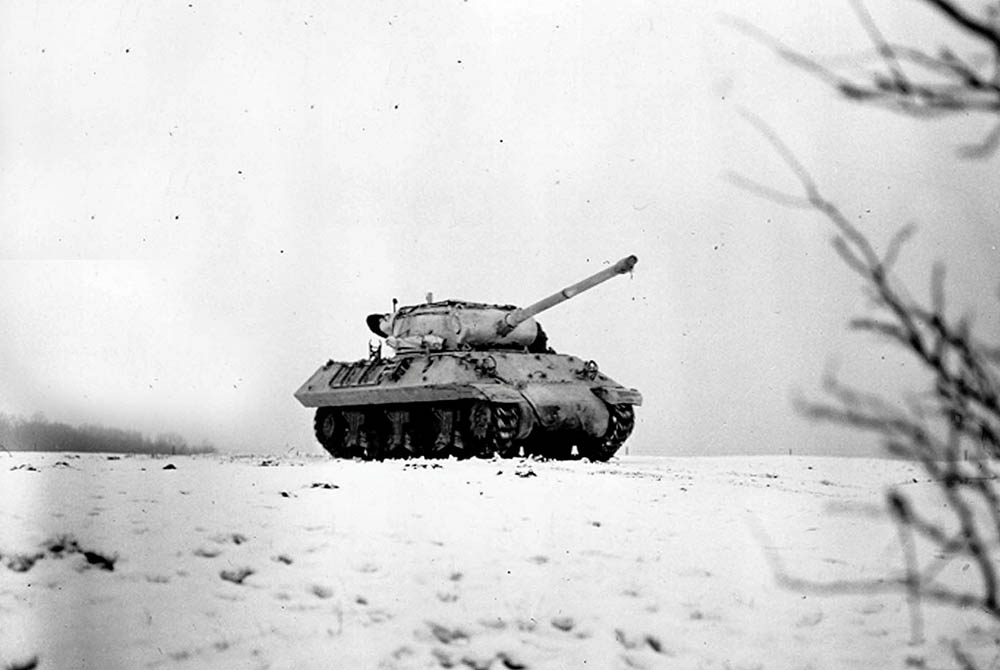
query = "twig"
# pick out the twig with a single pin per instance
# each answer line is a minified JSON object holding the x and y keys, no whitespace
{"x":965,"y":661}
{"x":946,"y":84}
{"x":913,"y":578}
{"x":768,"y":193}
{"x":965,"y":399}
{"x":973,"y":26}
{"x":961,"y":409}
{"x":887,"y":53}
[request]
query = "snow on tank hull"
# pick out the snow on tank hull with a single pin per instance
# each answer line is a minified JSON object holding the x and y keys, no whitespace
{"x":469,"y":403}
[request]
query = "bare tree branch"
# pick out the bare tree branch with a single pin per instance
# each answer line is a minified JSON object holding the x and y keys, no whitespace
{"x":961,"y":412}
{"x":965,"y":661}
{"x":973,"y":26}
{"x":896,"y":243}
{"x":985,"y":148}
{"x":787,"y":53}
{"x":912,"y":580}
{"x":944,"y":83}
{"x":768,"y":193}
{"x":952,"y":429}
{"x":881,"y":46}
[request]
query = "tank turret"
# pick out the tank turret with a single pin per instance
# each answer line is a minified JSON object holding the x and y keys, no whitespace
{"x":454,"y":325}
{"x":471,"y":379}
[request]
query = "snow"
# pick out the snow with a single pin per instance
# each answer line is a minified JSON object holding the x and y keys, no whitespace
{"x":307,"y":562}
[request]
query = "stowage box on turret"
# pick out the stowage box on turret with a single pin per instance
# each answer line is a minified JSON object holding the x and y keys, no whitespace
{"x":471,"y":379}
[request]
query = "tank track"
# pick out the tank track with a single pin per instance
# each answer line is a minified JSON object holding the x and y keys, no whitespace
{"x":464,"y":430}
{"x":479,"y":429}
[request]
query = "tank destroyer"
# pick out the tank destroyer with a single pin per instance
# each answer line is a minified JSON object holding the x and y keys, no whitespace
{"x":470,"y":379}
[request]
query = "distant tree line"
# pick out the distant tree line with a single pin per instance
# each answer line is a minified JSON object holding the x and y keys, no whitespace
{"x":40,"y":434}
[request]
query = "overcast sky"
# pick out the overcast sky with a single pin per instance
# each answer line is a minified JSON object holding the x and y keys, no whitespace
{"x":201,"y":201}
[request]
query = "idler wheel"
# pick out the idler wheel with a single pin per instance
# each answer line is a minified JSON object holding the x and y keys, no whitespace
{"x":621,"y":420}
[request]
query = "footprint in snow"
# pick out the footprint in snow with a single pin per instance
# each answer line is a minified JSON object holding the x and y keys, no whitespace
{"x":21,"y":562}
{"x":321,"y":591}
{"x":100,"y":561}
{"x":447,"y":635}
{"x":477,"y":660}
{"x":563,"y":623}
{"x":29,"y":663}
{"x":206,"y":552}
{"x":639,"y":641}
{"x":871,"y":608}
{"x":236,"y":576}
{"x":809,"y":620}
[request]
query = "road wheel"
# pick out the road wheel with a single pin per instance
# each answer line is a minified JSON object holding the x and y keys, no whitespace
{"x":433,"y":431}
{"x":374,"y":435}
{"x":505,"y":422}
{"x":330,"y":429}
{"x":490,"y":429}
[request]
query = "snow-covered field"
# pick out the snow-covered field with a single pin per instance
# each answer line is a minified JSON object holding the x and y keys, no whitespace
{"x":304,"y":562}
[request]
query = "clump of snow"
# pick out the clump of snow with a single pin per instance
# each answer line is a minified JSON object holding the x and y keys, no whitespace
{"x":315,"y":563}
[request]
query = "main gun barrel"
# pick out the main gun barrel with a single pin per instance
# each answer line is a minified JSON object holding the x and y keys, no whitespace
{"x":512,"y":319}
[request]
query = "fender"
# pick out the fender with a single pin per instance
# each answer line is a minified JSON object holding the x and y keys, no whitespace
{"x":568,"y":407}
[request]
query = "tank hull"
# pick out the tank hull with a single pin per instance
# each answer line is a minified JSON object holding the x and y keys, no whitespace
{"x":478,"y":402}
